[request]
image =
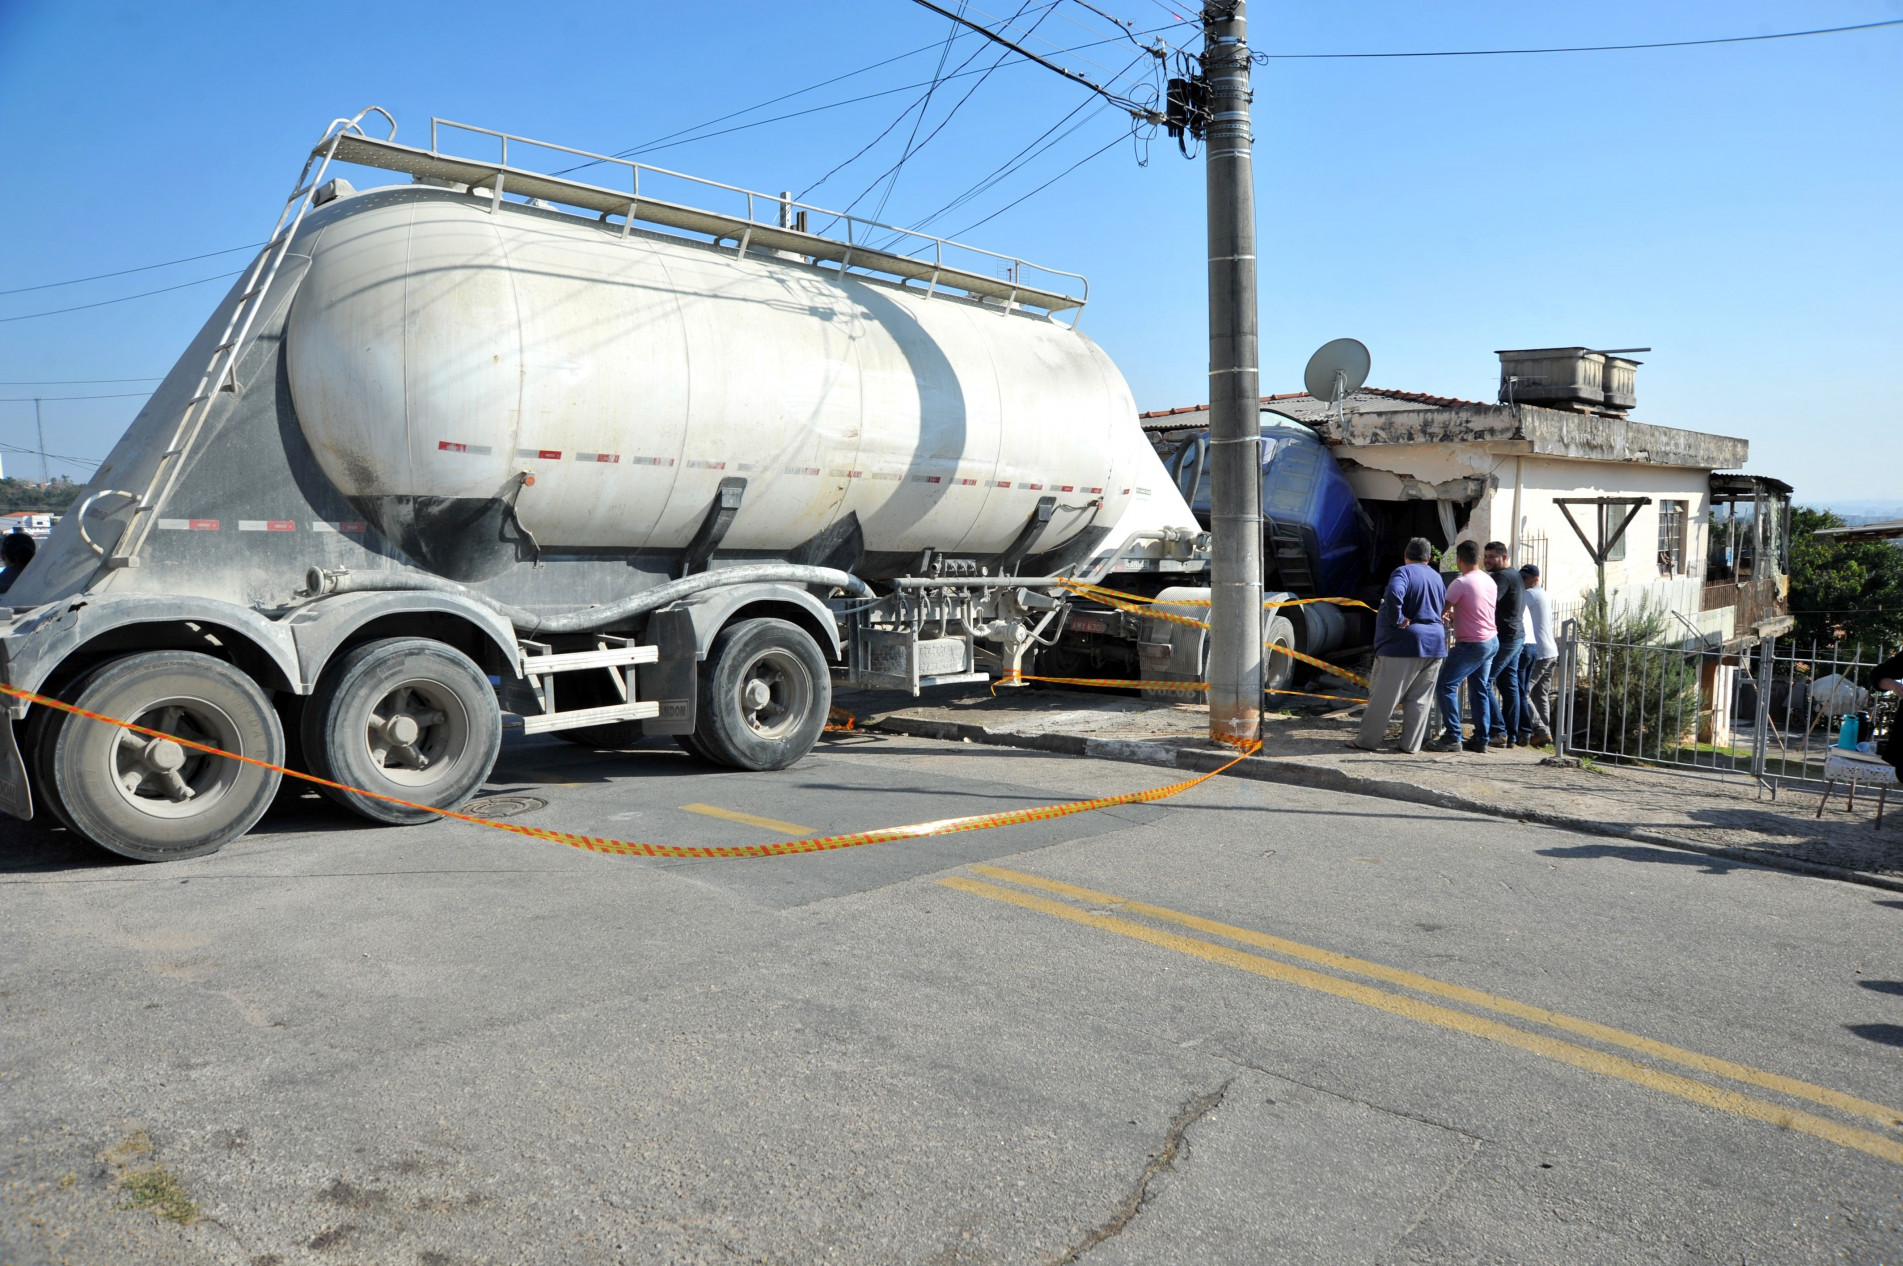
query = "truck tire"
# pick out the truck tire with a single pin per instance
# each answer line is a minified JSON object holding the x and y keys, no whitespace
{"x":764,"y":694}
{"x":152,"y":800}
{"x":36,"y":748}
{"x":1278,"y":669}
{"x":406,"y":717}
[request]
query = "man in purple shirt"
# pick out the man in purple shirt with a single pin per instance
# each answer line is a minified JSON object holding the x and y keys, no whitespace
{"x":1471,"y":602}
{"x":1409,"y":644}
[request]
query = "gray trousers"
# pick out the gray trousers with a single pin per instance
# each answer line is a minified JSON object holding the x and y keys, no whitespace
{"x":1537,"y":717}
{"x":1408,"y":682}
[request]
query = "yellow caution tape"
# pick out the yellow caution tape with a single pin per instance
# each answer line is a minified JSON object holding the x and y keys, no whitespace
{"x":1100,"y":594}
{"x":1111,"y":597}
{"x":630,"y":848}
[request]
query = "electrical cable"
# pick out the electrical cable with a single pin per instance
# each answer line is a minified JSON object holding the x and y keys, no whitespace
{"x":114,"y":395}
{"x":911,"y":149}
{"x":1584,"y":48}
{"x":1030,"y":153}
{"x":1134,"y":108}
{"x":144,"y":294}
{"x":143,"y":268}
{"x":74,"y":382}
{"x":52,"y":457}
{"x":1017,"y":161}
{"x":1046,"y":185}
{"x":924,"y":107}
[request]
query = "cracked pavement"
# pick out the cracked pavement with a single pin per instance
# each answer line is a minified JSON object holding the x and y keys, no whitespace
{"x":339,"y":1043}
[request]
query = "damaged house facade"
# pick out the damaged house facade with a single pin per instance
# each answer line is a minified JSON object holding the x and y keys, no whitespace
{"x":1555,"y":469}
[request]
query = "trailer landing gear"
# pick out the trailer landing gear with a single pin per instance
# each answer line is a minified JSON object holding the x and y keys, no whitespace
{"x":407,"y":717}
{"x":153,"y":799}
{"x":764,"y":694}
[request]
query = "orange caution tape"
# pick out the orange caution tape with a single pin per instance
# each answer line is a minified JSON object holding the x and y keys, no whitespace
{"x":630,"y":848}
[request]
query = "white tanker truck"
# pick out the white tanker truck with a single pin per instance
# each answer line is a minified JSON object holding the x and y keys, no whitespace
{"x":591,"y":453}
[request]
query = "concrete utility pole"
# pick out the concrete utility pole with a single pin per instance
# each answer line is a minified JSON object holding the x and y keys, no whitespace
{"x":1235,"y":486}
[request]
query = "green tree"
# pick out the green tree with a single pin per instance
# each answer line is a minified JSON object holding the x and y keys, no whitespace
{"x":17,"y":496}
{"x":1844,"y":592}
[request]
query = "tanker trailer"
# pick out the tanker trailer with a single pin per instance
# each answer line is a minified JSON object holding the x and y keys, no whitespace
{"x":638,"y":457}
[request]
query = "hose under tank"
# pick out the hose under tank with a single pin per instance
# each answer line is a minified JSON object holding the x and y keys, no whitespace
{"x":321,"y":583}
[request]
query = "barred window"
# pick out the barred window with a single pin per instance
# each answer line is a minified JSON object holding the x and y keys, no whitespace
{"x":1672,"y":538}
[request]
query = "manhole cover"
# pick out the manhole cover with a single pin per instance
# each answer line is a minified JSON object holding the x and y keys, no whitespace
{"x":503,"y":806}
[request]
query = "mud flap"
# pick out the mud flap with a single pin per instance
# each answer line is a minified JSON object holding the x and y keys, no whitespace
{"x":16,"y":798}
{"x":670,"y":680}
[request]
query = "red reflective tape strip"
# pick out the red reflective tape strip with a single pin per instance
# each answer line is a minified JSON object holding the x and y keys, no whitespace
{"x":631,"y":848}
{"x":445,"y":446}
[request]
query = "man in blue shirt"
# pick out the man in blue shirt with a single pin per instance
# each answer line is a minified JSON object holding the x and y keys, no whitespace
{"x":1409,"y":644}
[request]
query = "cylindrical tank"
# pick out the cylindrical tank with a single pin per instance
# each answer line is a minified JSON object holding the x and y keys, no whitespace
{"x":444,"y":357}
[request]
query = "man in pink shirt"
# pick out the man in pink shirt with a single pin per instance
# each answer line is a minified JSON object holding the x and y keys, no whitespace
{"x":1470,"y":610}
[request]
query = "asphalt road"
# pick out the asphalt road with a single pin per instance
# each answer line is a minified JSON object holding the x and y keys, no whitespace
{"x":1249,"y":1024}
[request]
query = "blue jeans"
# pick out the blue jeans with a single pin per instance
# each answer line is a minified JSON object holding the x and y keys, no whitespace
{"x":1505,"y":720}
{"x":1464,"y":660}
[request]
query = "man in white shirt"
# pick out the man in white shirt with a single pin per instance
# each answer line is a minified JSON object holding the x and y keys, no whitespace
{"x":1537,"y":662}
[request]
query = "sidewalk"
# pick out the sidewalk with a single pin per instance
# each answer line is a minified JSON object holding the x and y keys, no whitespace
{"x":1723,"y":819}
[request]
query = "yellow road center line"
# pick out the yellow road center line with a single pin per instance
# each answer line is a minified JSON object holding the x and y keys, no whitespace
{"x":1473,"y":997}
{"x":751,"y":819}
{"x":1459,"y":1021}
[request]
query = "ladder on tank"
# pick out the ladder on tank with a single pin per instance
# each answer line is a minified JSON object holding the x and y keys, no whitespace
{"x":221,"y":371}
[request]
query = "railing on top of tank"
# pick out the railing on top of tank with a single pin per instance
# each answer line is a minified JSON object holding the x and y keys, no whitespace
{"x":872,"y":239}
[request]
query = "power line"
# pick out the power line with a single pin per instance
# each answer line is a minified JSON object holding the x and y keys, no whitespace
{"x":1046,"y":185}
{"x":911,"y":149}
{"x":74,"y":382}
{"x":924,"y":108}
{"x":785,"y":96}
{"x":1135,"y":109}
{"x":1017,"y":161}
{"x":58,"y":457}
{"x":144,"y":294}
{"x":1584,"y":48}
{"x":125,"y":272}
{"x":116,"y":395}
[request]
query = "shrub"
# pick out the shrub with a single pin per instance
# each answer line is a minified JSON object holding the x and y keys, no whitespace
{"x":1635,"y":694}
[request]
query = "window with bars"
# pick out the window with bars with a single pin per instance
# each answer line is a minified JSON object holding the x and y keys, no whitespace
{"x":1672,"y":515}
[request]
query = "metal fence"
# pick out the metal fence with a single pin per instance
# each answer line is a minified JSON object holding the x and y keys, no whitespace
{"x":1767,"y":713}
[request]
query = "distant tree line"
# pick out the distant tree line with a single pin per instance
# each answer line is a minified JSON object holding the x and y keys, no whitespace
{"x":1844,"y":592}
{"x":17,"y":496}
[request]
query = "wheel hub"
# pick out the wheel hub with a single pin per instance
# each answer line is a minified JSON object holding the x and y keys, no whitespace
{"x":409,"y":731}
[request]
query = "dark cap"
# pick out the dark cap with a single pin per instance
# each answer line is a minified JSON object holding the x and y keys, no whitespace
{"x":1529,"y":569}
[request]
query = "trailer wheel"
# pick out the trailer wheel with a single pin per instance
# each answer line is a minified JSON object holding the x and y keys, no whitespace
{"x":1278,"y":669}
{"x":405,"y":717}
{"x":152,"y":799}
{"x":36,"y":748}
{"x":764,"y":694}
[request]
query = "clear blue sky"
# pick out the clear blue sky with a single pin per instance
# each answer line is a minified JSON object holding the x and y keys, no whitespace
{"x":1736,"y":208}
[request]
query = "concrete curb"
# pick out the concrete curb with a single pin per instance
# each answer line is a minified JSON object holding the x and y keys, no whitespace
{"x":1327,"y":778}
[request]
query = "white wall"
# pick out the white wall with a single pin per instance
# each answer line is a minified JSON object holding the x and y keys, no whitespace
{"x":1545,"y":536}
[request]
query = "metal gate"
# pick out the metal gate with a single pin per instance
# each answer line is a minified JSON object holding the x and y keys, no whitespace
{"x":1767,"y":713}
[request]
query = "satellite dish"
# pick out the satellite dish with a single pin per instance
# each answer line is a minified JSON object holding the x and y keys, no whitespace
{"x":1336,"y":370}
